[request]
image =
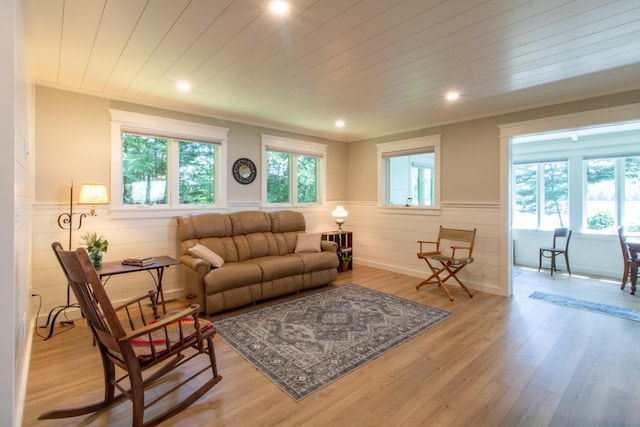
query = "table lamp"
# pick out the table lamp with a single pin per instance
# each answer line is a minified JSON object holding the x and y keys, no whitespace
{"x":339,"y":214}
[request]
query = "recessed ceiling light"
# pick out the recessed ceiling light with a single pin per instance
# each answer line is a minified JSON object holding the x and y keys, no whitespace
{"x":183,"y":86}
{"x":279,"y":7}
{"x":451,"y":96}
{"x":340,"y":123}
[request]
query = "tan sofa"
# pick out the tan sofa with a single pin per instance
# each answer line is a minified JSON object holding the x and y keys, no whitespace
{"x":257,"y":251}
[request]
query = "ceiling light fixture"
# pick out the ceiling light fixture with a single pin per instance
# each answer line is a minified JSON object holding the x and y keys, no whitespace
{"x":183,"y":86}
{"x":340,"y":123}
{"x":279,"y":7}
{"x":452,"y":96}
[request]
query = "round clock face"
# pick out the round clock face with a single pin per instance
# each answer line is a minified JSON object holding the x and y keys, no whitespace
{"x":244,"y":171}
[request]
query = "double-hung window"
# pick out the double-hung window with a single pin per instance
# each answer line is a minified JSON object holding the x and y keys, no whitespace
{"x":293,"y":171}
{"x":409,"y":172}
{"x":163,"y":163}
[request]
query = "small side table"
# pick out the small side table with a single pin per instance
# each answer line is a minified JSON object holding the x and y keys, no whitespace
{"x":113,"y":268}
{"x":344,"y":239}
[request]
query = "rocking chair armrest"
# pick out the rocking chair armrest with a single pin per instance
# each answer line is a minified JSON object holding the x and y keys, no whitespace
{"x":162,"y":323}
{"x":151,"y":295}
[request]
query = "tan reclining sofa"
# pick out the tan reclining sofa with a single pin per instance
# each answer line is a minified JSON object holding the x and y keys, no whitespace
{"x":260,"y":255}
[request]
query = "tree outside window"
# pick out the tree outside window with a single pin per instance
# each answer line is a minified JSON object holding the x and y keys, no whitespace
{"x":541,"y":198}
{"x":144,"y":170}
{"x":613,"y":194}
{"x":631,"y":218}
{"x":278,"y":171}
{"x":293,"y":171}
{"x":280,"y":181}
{"x":196,"y":173}
{"x":146,"y":174}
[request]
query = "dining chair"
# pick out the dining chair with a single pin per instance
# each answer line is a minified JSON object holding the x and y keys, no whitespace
{"x":626,"y":257}
{"x":556,"y":249}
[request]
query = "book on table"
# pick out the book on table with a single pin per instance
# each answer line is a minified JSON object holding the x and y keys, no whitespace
{"x":138,"y":261}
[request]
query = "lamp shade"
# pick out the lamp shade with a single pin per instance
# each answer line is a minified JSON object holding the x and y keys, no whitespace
{"x":339,"y":212}
{"x":93,"y":194}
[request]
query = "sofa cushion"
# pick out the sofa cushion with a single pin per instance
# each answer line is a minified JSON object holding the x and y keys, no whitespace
{"x":233,"y":275}
{"x":283,"y":221}
{"x":275,"y":267}
{"x":315,"y":261}
{"x":308,"y":242}
{"x":248,"y":222}
{"x":208,"y":255}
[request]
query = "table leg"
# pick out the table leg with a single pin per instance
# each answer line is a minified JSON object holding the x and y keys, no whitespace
{"x":633,"y":252}
{"x":158,"y":283}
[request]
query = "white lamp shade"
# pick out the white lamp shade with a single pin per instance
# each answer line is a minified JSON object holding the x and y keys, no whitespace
{"x":339,"y":212}
{"x":93,"y":194}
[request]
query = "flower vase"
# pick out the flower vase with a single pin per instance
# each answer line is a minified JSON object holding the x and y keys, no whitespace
{"x":96,"y":258}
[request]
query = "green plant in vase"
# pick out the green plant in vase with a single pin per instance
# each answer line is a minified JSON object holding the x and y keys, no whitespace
{"x":345,"y":259}
{"x":96,"y":245}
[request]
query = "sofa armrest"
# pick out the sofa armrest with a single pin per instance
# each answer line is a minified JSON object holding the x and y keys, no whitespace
{"x":329,"y":246}
{"x":195,"y":263}
{"x":194,"y":269}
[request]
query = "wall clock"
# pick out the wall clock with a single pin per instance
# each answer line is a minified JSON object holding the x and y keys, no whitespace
{"x":244,"y":171}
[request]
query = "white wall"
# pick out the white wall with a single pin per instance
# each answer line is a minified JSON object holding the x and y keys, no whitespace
{"x":16,"y":179}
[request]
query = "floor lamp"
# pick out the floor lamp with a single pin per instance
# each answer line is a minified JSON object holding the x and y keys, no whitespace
{"x":90,"y":194}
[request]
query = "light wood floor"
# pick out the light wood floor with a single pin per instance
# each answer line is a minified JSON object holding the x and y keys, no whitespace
{"x":497,"y":362}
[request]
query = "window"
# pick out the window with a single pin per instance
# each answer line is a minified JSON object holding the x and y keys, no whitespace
{"x":587,"y":179}
{"x":612,"y":194}
{"x":541,"y":198}
{"x":163,"y":163}
{"x":409,"y":172}
{"x":293,"y":171}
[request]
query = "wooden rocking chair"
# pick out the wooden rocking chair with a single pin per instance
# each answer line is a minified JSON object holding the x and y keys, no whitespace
{"x":131,"y":338}
{"x":440,"y":263}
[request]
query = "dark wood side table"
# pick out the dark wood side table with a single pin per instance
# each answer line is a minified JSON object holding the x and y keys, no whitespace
{"x":344,"y":239}
{"x":112,"y":268}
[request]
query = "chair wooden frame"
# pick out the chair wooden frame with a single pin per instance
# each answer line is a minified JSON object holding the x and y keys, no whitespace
{"x":552,"y":252}
{"x":626,"y":257}
{"x":134,"y":340}
{"x":449,"y":264}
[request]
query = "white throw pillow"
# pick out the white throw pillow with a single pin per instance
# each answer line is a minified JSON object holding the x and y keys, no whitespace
{"x":308,"y":242}
{"x":207,"y":254}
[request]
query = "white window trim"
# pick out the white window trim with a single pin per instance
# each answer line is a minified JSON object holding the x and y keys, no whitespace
{"x":294,"y":146}
{"x":423,"y":142}
{"x":125,"y":121}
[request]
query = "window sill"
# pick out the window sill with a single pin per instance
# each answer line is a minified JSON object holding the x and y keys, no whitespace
{"x":146,"y":211}
{"x":410,"y":210}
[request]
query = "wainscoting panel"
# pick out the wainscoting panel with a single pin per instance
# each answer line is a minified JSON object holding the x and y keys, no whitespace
{"x":387,"y":239}
{"x":382,"y":238}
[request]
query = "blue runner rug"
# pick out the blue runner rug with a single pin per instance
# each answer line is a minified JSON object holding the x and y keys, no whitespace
{"x":611,"y":310}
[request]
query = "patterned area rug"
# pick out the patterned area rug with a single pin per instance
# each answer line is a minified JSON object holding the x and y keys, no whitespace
{"x":611,"y":310}
{"x":305,"y":344}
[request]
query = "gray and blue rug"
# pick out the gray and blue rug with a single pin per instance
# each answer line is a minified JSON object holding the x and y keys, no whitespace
{"x":611,"y":310}
{"x":305,"y":344}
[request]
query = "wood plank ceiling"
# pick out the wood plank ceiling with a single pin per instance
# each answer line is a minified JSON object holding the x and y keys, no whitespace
{"x":382,"y":66}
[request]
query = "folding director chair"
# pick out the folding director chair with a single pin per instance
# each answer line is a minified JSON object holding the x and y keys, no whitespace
{"x":448,"y":263}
